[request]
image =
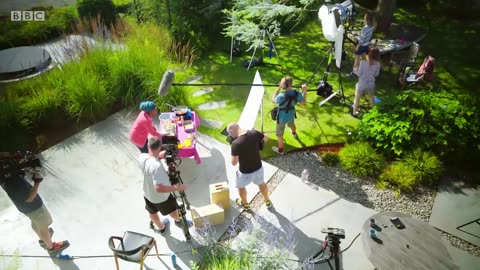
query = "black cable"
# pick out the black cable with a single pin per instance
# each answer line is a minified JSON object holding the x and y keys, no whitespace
{"x":351,"y":243}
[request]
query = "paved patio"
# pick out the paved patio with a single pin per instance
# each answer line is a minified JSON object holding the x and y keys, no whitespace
{"x":93,"y":188}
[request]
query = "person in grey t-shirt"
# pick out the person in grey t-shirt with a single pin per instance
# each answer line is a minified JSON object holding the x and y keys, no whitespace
{"x":157,"y":188}
{"x":363,"y":42}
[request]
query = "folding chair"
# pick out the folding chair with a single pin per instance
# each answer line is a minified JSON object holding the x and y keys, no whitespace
{"x":132,"y":247}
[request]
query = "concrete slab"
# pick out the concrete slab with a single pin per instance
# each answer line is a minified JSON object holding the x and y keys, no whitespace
{"x":451,"y":197}
{"x":202,"y":92}
{"x":212,"y":105}
{"x":308,"y":210}
{"x":211,"y":123}
{"x":93,"y":189}
{"x":462,"y":258}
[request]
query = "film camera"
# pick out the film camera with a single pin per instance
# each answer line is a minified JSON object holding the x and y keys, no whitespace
{"x":170,"y":145}
{"x":16,"y":164}
{"x":334,"y":233}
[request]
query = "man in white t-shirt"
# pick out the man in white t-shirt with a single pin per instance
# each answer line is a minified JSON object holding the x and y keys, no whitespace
{"x":157,"y":190}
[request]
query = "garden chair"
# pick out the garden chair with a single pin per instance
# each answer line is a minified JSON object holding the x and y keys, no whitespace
{"x":403,"y":58}
{"x":408,"y":78}
{"x":132,"y":247}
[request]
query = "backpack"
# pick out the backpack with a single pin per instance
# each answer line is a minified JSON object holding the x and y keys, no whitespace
{"x":288,"y":98}
{"x":426,"y":69}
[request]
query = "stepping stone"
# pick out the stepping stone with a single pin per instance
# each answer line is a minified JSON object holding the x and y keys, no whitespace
{"x":211,"y":123}
{"x":202,"y":92}
{"x":194,"y":79}
{"x":212,"y":105}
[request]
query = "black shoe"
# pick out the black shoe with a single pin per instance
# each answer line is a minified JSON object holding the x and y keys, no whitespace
{"x":165,"y":222}
{"x":352,"y":75}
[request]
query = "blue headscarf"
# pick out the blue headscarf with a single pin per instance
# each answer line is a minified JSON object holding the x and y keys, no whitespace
{"x":147,"y":106}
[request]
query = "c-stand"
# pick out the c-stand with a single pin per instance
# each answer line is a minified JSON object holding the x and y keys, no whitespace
{"x":324,"y":88}
{"x":332,"y":245}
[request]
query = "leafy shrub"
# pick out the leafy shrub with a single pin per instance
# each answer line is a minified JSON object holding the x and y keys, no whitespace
{"x":92,"y":8}
{"x":442,"y":122}
{"x":361,"y":159}
{"x":57,"y":22}
{"x":330,"y":158}
{"x":399,"y":175}
{"x":426,"y":165}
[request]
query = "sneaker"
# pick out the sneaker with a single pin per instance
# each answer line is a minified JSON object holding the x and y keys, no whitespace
{"x":58,"y":247}
{"x":245,"y":206}
{"x":179,"y":223}
{"x":41,"y":242}
{"x":352,"y":75}
{"x":165,"y":222}
{"x":268,"y":204}
{"x":277,"y":150}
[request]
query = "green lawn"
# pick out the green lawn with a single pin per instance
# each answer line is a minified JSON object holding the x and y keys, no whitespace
{"x":300,"y":53}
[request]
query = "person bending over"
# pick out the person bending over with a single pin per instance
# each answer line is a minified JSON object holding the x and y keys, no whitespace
{"x":367,"y":71}
{"x":143,"y":126}
{"x":246,"y":152}
{"x":286,"y":114}
{"x":26,"y":199}
{"x":362,"y":43}
{"x":157,"y":190}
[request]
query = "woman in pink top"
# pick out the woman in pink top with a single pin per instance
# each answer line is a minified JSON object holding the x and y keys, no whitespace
{"x":144,"y":126}
{"x":367,"y":72}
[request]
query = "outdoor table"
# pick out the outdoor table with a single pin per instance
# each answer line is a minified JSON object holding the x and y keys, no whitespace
{"x":182,"y":135}
{"x":417,"y":246}
{"x":384,"y":46}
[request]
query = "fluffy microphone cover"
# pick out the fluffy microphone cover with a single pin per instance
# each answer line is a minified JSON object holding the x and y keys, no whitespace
{"x":166,"y":83}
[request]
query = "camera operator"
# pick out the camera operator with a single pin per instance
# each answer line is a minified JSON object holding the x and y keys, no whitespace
{"x":157,"y":188}
{"x":246,"y":152}
{"x":286,"y":109}
{"x":26,"y":199}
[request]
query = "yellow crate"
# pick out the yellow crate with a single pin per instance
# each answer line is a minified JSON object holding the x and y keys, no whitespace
{"x":213,"y":213}
{"x":220,"y":194}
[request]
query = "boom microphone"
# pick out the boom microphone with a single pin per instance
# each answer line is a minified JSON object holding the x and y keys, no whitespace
{"x":166,"y":83}
{"x":169,"y":76}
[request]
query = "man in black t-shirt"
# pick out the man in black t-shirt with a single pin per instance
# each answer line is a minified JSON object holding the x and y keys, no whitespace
{"x":24,"y":196}
{"x":246,"y":152}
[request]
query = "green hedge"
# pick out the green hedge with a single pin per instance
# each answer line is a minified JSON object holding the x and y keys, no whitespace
{"x":57,"y":22}
{"x":441,"y":122}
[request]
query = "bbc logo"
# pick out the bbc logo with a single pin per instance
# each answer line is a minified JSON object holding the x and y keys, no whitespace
{"x":28,"y":15}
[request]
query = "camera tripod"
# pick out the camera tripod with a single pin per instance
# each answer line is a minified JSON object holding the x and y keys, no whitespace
{"x":175,"y":179}
{"x":323,"y":81}
{"x":332,"y":244}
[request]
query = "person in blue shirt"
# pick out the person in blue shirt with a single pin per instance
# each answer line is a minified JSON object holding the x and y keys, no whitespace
{"x":287,"y":100}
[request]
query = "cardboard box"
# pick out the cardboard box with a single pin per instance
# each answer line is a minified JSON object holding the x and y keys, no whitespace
{"x":220,"y":194}
{"x":213,"y":213}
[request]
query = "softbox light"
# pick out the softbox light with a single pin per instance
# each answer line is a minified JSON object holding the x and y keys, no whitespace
{"x":333,"y":18}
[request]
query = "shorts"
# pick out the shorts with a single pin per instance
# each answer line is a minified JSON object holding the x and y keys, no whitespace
{"x":165,"y":208}
{"x":243,"y":179}
{"x":281,"y":128}
{"x":40,"y":219}
{"x":362,"y":50}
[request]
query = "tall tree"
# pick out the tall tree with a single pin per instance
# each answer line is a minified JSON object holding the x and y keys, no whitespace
{"x":384,"y":14}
